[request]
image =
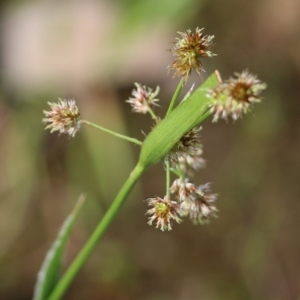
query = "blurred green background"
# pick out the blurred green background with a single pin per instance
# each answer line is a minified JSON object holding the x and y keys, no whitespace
{"x":94,"y":51}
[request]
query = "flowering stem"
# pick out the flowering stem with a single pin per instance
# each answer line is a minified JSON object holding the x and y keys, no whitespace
{"x":167,"y":163}
{"x":124,"y":137}
{"x":175,"y":96}
{"x":98,"y":233}
{"x":178,"y":173}
{"x":154,"y":117}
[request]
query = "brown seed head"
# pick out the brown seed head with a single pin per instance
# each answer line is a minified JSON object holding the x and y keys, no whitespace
{"x":188,"y":50}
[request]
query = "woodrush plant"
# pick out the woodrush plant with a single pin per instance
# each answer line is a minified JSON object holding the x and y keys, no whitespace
{"x":174,"y":141}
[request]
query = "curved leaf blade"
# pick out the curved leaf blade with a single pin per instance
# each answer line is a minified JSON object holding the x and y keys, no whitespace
{"x":48,"y":275}
{"x":183,"y":118}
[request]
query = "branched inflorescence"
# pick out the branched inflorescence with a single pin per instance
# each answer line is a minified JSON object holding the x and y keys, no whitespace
{"x":174,"y":140}
{"x":232,"y":98}
{"x":195,"y":202}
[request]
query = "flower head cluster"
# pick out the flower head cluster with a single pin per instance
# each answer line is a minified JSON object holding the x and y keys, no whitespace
{"x":163,"y":212}
{"x":143,"y":99}
{"x":63,"y":117}
{"x":235,"y":97}
{"x":187,"y":152}
{"x":195,"y":202}
{"x":189,"y":162}
{"x":189,"y":49}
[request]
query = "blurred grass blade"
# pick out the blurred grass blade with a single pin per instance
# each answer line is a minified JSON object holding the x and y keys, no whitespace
{"x":48,"y":275}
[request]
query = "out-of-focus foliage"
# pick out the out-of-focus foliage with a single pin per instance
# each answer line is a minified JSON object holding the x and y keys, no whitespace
{"x":94,"y":51}
{"x":50,"y":271}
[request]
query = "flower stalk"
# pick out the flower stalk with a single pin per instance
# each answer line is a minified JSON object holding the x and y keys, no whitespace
{"x":175,"y":96}
{"x":168,"y":179}
{"x":121,"y":136}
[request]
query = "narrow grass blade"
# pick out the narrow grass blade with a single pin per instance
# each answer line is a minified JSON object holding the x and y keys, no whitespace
{"x":48,"y":275}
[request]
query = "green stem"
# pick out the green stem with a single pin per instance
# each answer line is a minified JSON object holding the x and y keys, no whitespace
{"x":175,"y":96}
{"x":153,"y":115}
{"x":101,"y":228}
{"x":124,"y":137}
{"x":167,"y":163}
{"x":178,"y":173}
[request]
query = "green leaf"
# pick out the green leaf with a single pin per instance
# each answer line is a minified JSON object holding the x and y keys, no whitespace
{"x":48,"y":275}
{"x":183,"y":118}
